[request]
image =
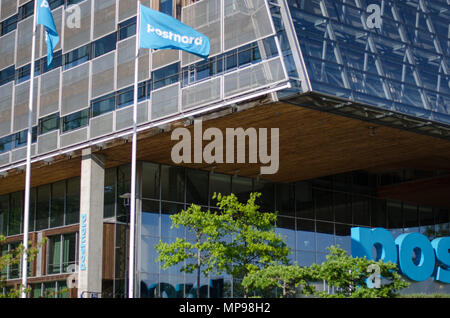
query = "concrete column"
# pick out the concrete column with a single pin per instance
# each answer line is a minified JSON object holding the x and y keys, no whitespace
{"x":91,"y":223}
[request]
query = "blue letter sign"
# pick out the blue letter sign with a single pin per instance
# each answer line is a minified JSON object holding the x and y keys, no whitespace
{"x":428,"y":254}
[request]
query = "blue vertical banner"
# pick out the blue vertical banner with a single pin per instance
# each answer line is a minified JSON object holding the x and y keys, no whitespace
{"x":161,"y":31}
{"x":45,"y":18}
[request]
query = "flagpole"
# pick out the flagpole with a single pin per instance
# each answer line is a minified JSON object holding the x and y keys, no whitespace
{"x":26,"y":217}
{"x":131,"y":278}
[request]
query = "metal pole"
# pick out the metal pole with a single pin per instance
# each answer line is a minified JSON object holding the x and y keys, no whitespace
{"x":26,"y":217}
{"x":131,"y":278}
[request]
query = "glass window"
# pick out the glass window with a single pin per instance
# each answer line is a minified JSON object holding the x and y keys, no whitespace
{"x":166,"y":76}
{"x":15,"y":213}
{"x":6,"y":143}
{"x":127,"y":28}
{"x":56,"y":62}
{"x":285,"y":198}
{"x":76,"y":57}
{"x":241,"y":187}
{"x":123,"y":187}
{"x":26,"y":10}
{"x":219,"y":183}
{"x":150,"y":180}
{"x":103,"y":105}
{"x":110,"y":193}
{"x":286,"y":227}
{"x":267,"y":199}
{"x":427,"y":222}
{"x":62,"y":250}
{"x":57,"y":204}
{"x":360,"y":207}
{"x":410,"y":213}
{"x":172,"y":183}
{"x":324,"y":236}
{"x":304,"y":204}
{"x":343,"y":236}
{"x":42,"y":207}
{"x":323,"y":205}
{"x":165,"y":6}
{"x":73,"y":201}
{"x":197,"y":187}
{"x":342,"y":204}
{"x":4,"y":208}
{"x":105,"y":44}
{"x":7,"y":75}
{"x":14,"y":269}
{"x":76,"y":120}
{"x":54,"y":254}
{"x":49,"y":123}
{"x":9,"y":24}
{"x":394,"y":217}
{"x":378,"y":213}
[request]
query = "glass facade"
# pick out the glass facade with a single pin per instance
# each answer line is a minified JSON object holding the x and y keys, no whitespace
{"x":313,"y":215}
{"x":391,"y":54}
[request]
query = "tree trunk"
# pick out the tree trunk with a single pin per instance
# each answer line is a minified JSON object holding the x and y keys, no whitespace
{"x":198,"y":273}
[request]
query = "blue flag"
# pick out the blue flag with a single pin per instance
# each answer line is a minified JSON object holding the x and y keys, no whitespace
{"x":45,"y":18}
{"x":161,"y":31}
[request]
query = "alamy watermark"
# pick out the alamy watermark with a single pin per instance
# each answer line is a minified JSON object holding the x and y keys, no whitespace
{"x":224,"y":149}
{"x":73,"y":15}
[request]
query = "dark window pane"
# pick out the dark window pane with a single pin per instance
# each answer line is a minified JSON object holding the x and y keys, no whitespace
{"x":378,"y":213}
{"x":32,"y":212}
{"x":323,"y":205}
{"x":123,"y":187}
{"x":48,"y":123}
{"x":54,"y":254}
{"x":304,"y":203}
{"x":6,"y":143}
{"x":165,"y":6}
{"x":105,"y":44}
{"x":110,"y":193}
{"x":127,"y":28}
{"x":285,"y":199}
{"x":172,"y":183}
{"x":427,"y":222}
{"x":7,"y":75}
{"x":167,"y":209}
{"x":342,"y":203}
{"x":442,"y":223}
{"x":286,"y":227}
{"x":4,"y":208}
{"x":219,"y":183}
{"x":241,"y":187}
{"x":57,"y":205}
{"x":76,"y":120}
{"x":15,"y":213}
{"x":197,"y":187}
{"x":360,"y":208}
{"x":411,"y":216}
{"x":150,"y":180}
{"x":73,"y":201}
{"x":324,"y":236}
{"x":76,"y":57}
{"x":266,"y":200}
{"x":395,"y":217}
{"x":69,"y":250}
{"x":103,"y":105}
{"x":42,"y":207}
{"x":166,"y":76}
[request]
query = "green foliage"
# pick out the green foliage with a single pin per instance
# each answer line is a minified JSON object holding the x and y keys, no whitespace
{"x":238,"y":239}
{"x":288,"y":278}
{"x":204,"y":253}
{"x":14,"y":257}
{"x":424,"y":296}
{"x":348,"y":276}
{"x":255,"y":243}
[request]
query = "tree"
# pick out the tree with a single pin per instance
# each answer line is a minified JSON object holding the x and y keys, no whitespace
{"x":349,"y":276}
{"x":255,"y":244}
{"x":14,"y":257}
{"x":206,"y":250}
{"x":288,"y":278}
